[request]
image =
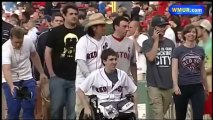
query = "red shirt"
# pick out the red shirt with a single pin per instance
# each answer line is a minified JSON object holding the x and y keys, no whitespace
{"x":185,"y":21}
{"x":162,"y":6}
{"x":39,"y":3}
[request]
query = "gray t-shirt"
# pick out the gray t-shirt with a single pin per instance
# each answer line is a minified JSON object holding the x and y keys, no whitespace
{"x":159,"y":72}
{"x":189,"y":64}
{"x":126,"y":53}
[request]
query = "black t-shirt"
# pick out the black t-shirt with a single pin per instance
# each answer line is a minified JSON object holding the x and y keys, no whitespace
{"x":40,"y":48}
{"x":6,"y":27}
{"x":63,"y":43}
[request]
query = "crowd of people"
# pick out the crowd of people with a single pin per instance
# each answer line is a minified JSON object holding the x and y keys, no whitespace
{"x":69,"y":54}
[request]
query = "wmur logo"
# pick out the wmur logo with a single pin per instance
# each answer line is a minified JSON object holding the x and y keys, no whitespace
{"x":186,"y":9}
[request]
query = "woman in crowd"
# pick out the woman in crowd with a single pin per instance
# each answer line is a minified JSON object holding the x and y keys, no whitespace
{"x":189,"y":76}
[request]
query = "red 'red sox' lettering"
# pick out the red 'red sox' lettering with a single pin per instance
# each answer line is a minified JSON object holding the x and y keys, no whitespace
{"x":124,"y":55}
{"x":92,"y":55}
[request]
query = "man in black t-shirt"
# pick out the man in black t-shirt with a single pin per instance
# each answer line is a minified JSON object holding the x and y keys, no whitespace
{"x":6,"y":27}
{"x":61,"y":65}
{"x":57,"y":20}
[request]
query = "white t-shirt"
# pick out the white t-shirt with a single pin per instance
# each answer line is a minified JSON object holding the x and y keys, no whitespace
{"x":140,"y":57}
{"x":32,"y":34}
{"x":89,"y":50}
{"x":97,"y":83}
{"x":170,"y":34}
{"x":141,"y":13}
{"x":18,"y":59}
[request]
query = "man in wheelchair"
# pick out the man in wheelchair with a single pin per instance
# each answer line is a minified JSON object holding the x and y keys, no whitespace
{"x":107,"y":85}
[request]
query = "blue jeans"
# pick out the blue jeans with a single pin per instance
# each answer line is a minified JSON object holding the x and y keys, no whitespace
{"x":62,"y":93}
{"x":14,"y":105}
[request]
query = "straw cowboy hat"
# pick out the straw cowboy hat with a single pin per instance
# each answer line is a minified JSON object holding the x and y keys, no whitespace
{"x":94,"y":19}
{"x":206,"y":24}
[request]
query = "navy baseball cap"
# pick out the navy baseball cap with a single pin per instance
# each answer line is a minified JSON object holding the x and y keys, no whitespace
{"x":159,"y":21}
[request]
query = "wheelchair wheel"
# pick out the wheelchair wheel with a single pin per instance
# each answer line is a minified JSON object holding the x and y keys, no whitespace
{"x":127,"y":116}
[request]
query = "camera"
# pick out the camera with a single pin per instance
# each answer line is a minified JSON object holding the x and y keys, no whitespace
{"x":23,"y":93}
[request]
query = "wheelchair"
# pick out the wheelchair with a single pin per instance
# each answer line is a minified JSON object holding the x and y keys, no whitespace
{"x":96,"y":112}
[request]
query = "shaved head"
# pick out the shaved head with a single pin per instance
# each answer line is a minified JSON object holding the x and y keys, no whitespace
{"x":133,"y":25}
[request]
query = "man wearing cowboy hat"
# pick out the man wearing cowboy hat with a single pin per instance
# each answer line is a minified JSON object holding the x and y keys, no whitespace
{"x":88,"y":50}
{"x":205,"y":41}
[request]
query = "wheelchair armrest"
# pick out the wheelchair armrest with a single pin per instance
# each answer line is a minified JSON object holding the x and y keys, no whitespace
{"x":93,"y":100}
{"x":129,"y":97}
{"x":93,"y":97}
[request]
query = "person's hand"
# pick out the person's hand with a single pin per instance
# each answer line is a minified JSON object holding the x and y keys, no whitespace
{"x":176,"y":90}
{"x":38,"y":83}
{"x":45,"y":92}
{"x":43,"y":77}
{"x":12,"y":89}
{"x":173,"y":24}
{"x":52,"y":75}
{"x":87,"y":113}
{"x":206,"y":94}
{"x":136,"y":34}
{"x":156,"y":35}
{"x":196,"y":24}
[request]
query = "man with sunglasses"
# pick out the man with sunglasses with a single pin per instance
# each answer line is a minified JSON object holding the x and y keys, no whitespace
{"x":157,"y":51}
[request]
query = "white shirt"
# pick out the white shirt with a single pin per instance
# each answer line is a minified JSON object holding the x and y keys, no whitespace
{"x":32,"y":34}
{"x":170,"y":34}
{"x":141,"y":13}
{"x":89,"y":50}
{"x":141,"y":59}
{"x":18,"y":59}
{"x":97,"y":83}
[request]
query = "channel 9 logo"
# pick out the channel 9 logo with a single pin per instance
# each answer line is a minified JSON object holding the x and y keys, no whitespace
{"x":186,"y":9}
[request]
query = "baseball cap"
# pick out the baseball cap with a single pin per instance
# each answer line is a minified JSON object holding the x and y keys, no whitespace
{"x":206,"y":24}
{"x":159,"y":21}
